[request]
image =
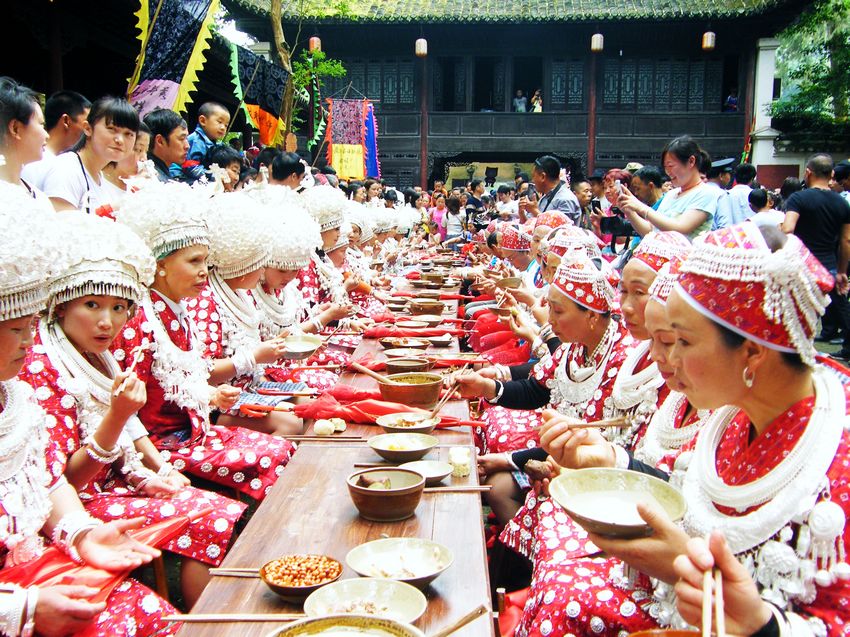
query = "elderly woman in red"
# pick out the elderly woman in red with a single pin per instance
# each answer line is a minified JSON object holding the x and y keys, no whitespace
{"x":170,"y":219}
{"x":768,"y":469}
{"x":34,"y":505}
{"x":98,"y":443}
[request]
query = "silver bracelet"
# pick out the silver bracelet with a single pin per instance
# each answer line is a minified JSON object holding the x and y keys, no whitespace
{"x":68,"y":530}
{"x":32,"y":601}
{"x":165,"y":469}
{"x":500,"y":389}
{"x":99,"y":454}
{"x":13,"y":601}
{"x":317,"y":323}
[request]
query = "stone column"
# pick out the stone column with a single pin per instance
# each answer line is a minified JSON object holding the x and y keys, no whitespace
{"x":762,"y":135}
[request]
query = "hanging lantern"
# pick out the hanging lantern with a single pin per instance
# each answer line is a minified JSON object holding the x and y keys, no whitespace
{"x":315,"y":44}
{"x":709,"y":40}
{"x":597,"y":42}
{"x":421,"y":48}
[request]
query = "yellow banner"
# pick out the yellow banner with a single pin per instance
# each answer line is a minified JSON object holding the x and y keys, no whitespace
{"x":347,"y":160}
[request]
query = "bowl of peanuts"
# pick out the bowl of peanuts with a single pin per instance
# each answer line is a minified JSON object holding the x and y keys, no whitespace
{"x":294,"y":577}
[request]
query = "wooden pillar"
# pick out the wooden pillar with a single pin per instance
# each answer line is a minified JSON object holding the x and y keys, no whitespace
{"x":508,"y":61}
{"x":748,"y":93}
{"x":56,"y":74}
{"x":423,"y":125}
{"x":591,"y":116}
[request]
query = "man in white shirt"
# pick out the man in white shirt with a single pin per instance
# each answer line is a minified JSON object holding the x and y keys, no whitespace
{"x":739,"y":203}
{"x":719,"y":178}
{"x":506,"y":205}
{"x":65,"y":114}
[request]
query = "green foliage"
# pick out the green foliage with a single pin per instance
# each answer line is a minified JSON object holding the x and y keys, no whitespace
{"x":814,"y":64}
{"x":318,"y":65}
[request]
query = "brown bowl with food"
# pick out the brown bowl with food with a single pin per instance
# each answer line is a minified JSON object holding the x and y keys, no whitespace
{"x":386,"y":495}
{"x":425,"y":306}
{"x":294,"y":577}
{"x":438,"y":277}
{"x":406,"y":365}
{"x":419,"y":389}
{"x":501,"y":312}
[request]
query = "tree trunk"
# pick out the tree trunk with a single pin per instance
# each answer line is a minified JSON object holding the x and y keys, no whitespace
{"x":283,"y":54}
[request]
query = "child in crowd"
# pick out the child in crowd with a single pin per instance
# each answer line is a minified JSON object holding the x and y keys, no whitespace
{"x":213,"y":120}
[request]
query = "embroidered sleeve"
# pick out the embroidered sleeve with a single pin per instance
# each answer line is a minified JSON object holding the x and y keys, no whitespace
{"x":61,"y":409}
{"x":204,"y":311}
{"x":545,"y":368}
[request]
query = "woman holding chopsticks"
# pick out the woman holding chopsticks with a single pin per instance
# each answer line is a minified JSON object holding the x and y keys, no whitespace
{"x":768,"y":470}
{"x":36,"y":504}
{"x":170,"y":218}
{"x":97,"y":442}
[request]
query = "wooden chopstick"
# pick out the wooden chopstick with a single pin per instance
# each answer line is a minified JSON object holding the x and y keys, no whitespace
{"x":331,"y":437}
{"x":621,"y":422}
{"x":138,"y":354}
{"x":441,"y":403}
{"x":234,"y":617}
{"x":463,"y":621}
{"x":372,"y":465}
{"x":707,"y":582}
{"x":719,"y":612}
{"x":461,"y":489}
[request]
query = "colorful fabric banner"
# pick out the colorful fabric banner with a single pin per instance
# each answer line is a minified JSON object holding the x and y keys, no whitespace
{"x":175,"y":36}
{"x":352,"y":138}
{"x":259,"y":86}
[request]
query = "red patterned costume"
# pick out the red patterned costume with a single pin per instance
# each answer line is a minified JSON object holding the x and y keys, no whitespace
{"x":109,"y":496}
{"x":234,"y":457}
{"x":131,"y":608}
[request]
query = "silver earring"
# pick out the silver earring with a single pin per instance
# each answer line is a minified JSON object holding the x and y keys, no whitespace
{"x":748,"y":377}
{"x":162,"y":273}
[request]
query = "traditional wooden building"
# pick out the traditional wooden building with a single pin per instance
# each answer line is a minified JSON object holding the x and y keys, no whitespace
{"x":652,"y":80}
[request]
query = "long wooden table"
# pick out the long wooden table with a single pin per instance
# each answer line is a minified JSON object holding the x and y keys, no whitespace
{"x":309,"y":511}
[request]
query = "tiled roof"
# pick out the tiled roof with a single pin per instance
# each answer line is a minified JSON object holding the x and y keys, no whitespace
{"x":507,"y":11}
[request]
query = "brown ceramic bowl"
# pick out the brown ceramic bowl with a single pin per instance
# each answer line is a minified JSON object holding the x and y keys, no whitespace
{"x":405,"y":365}
{"x":509,"y":283}
{"x":501,"y":312}
{"x":425,"y":306}
{"x":411,"y":324}
{"x":430,"y":320}
{"x":402,"y":447}
{"x":418,"y":389}
{"x":433,"y":295}
{"x":399,"y":502}
{"x":439,"y":277}
{"x":295,"y":594}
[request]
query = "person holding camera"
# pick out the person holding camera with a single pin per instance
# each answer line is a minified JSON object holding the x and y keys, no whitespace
{"x":689,"y":207}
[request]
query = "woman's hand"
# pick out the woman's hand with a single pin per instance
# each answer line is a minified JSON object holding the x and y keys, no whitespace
{"x":522,"y":295}
{"x":574,"y":448}
{"x":489,"y":372}
{"x":653,"y":555}
{"x":335,"y":312}
{"x":491,"y":463}
{"x":65,"y":610}
{"x":130,"y":399}
{"x":628,"y":203}
{"x":177,"y":480}
{"x":109,"y":547}
{"x":521,"y":327}
{"x":158,"y":487}
{"x":352,"y":283}
{"x":270,"y":351}
{"x":473,"y":385}
{"x":746,"y":612}
{"x":283,"y":334}
{"x":224,"y":397}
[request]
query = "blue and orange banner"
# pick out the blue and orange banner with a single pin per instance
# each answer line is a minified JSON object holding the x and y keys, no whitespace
{"x":260,"y":86}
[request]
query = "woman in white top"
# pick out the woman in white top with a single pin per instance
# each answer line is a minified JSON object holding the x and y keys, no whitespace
{"x":75,"y":179}
{"x":22,"y":138}
{"x":689,"y":207}
{"x":119,"y":174}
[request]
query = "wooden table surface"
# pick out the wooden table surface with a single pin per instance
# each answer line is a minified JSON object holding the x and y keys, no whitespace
{"x":309,"y":510}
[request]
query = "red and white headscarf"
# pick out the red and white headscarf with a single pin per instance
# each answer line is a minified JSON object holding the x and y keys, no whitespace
{"x":552,"y":219}
{"x":514,"y":238}
{"x":581,"y":281}
{"x":657,"y":248}
{"x":773,"y":298}
{"x":568,"y":237}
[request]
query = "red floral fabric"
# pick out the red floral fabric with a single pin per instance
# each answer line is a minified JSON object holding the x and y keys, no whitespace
{"x":234,"y":457}
{"x":108,"y":496}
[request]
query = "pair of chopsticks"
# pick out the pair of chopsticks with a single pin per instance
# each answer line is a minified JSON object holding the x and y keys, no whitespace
{"x":483,"y":488}
{"x":622,"y":422}
{"x":448,"y":396}
{"x":234,"y":617}
{"x":712,"y":582}
{"x":138,"y":354}
{"x":235,"y":572}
